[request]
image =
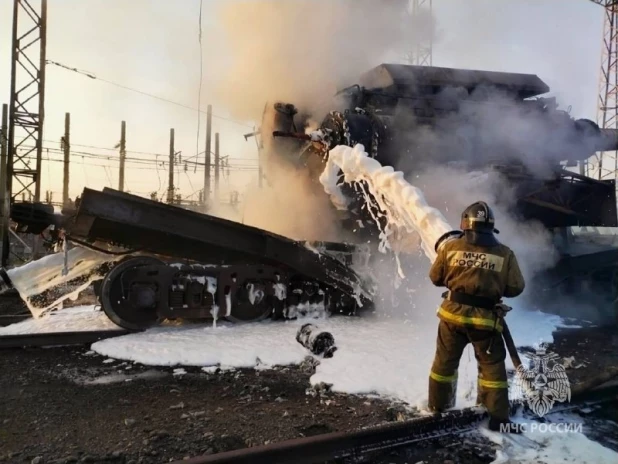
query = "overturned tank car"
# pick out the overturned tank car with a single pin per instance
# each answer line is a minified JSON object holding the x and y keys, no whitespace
{"x":413,"y":117}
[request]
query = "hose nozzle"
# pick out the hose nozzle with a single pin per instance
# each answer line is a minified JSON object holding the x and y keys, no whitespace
{"x":447,"y":237}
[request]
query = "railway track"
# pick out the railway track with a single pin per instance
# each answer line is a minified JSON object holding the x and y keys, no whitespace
{"x":356,"y":445}
{"x":350,"y":445}
{"x":57,"y":338}
{"x":8,"y":319}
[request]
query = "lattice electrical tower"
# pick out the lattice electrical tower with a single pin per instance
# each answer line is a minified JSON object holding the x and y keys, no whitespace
{"x":421,"y":12}
{"x":26,"y":107}
{"x":607,"y":107}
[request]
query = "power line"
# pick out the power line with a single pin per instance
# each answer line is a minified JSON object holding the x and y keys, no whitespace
{"x":242,"y":162}
{"x":249,"y":160}
{"x":92,"y":76}
{"x":153,"y":165}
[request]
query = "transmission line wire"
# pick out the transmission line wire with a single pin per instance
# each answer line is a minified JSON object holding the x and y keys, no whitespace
{"x":93,"y":76}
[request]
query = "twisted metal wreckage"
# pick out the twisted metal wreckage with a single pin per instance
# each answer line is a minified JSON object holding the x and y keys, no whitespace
{"x":164,"y":262}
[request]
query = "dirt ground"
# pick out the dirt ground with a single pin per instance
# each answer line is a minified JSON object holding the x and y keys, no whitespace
{"x":67,"y":405}
{"x":71,"y":405}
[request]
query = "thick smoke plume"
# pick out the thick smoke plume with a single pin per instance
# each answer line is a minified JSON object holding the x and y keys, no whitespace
{"x":291,"y":206}
{"x":451,"y":161}
{"x":303,"y":51}
{"x":452,"y":190}
{"x":492,"y":127}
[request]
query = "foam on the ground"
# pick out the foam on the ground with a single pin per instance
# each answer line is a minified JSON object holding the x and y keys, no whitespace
{"x":386,"y":356}
{"x":380,"y":356}
{"x":66,"y":320}
{"x":227,"y":345}
{"x":553,"y":446}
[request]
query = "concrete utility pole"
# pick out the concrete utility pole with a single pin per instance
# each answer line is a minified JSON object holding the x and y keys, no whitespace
{"x":66,"y":146}
{"x":123,"y":155}
{"x":260,"y":146}
{"x":207,"y":158}
{"x":4,"y":188}
{"x":170,"y":189}
{"x":217,"y":167}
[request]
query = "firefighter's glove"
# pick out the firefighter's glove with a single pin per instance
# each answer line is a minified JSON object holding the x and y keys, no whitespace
{"x":501,"y":309}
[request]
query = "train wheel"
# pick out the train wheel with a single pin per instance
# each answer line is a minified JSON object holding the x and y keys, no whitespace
{"x":252,"y":302}
{"x":131,"y":306}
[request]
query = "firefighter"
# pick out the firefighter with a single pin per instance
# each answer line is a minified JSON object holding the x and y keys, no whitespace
{"x":478,"y":271}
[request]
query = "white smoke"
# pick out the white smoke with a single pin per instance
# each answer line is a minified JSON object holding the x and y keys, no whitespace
{"x":303,"y":51}
{"x":291,"y":206}
{"x":492,"y":127}
{"x":452,"y":190}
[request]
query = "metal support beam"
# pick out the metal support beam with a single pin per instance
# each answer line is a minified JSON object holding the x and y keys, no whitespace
{"x":604,"y":165}
{"x":421,"y":54}
{"x":27,"y":103}
{"x":5,"y":209}
{"x":605,"y":3}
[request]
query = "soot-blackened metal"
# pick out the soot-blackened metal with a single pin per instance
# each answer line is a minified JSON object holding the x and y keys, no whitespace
{"x":319,"y":343}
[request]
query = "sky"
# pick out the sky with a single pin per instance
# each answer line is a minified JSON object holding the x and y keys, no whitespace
{"x":153,"y":46}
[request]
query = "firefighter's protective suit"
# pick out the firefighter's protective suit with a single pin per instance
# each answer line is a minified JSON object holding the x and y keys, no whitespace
{"x":478,"y":271}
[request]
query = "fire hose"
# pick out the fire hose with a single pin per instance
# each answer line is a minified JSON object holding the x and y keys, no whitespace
{"x":510,"y":345}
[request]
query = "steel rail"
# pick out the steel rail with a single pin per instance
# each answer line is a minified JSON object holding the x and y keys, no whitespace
{"x":339,"y":445}
{"x":57,"y":338}
{"x":8,"y":319}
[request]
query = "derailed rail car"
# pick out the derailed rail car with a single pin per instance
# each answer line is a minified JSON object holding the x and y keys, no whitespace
{"x":180,"y":264}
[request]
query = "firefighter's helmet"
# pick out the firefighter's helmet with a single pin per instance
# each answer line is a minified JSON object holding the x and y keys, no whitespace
{"x":478,"y":217}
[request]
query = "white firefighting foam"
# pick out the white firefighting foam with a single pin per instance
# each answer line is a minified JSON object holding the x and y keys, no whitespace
{"x":75,"y":319}
{"x":36,"y":277}
{"x":386,"y":356}
{"x":557,"y":440}
{"x":403,"y":204}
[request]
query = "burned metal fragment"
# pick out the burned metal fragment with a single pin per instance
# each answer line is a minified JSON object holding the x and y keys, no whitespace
{"x":316,"y":341}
